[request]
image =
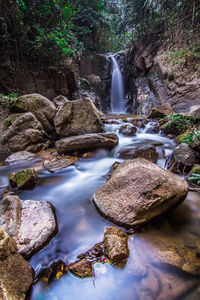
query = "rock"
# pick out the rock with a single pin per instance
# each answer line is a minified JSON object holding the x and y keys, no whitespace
{"x":138,"y":191}
{"x":161,"y":111}
{"x":128,"y":129}
{"x":41,"y":107}
{"x":116,"y":244}
{"x":55,"y":271}
{"x":170,"y":127}
{"x":19,"y":157}
{"x":58,"y":164}
{"x":31,"y":223}
{"x":195,"y":111}
{"x":146,"y":151}
{"x":60,"y":100}
{"x":16,"y":274}
{"x":87,"y":141}
{"x":195,"y":169}
{"x":24,"y":179}
{"x":96,"y":251}
{"x":25,"y":133}
{"x":82,"y":268}
{"x":183,"y":156}
{"x":77,"y":117}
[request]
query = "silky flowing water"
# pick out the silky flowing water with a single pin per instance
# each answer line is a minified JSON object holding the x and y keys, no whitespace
{"x":80,"y":226}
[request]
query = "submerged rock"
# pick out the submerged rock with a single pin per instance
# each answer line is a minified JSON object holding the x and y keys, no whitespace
{"x":128,"y":129}
{"x":147,"y":151}
{"x":138,"y":191}
{"x":82,"y":268}
{"x":116,"y":244}
{"x":161,"y":111}
{"x":59,"y":164}
{"x":31,"y":223}
{"x":16,"y":274}
{"x":77,"y":117}
{"x":23,"y":179}
{"x":87,"y":141}
{"x":19,"y":157}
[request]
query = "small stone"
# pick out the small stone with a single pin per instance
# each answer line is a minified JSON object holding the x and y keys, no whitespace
{"x":58,"y":164}
{"x":128,"y":129}
{"x":82,"y":268}
{"x":116,"y":244}
{"x":24,"y":179}
{"x":20,"y":156}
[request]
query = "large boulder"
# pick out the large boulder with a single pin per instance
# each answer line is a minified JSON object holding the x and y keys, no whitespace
{"x":137,"y":191}
{"x":161,"y":111}
{"x":87,"y":141}
{"x":31,"y":223}
{"x":25,"y":133}
{"x":41,"y":107}
{"x":16,"y":275}
{"x":77,"y":117}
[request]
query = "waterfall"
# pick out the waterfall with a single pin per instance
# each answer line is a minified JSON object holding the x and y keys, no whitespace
{"x":117,"y":89}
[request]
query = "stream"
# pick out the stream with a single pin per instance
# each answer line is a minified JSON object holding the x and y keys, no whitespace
{"x":80,"y":226}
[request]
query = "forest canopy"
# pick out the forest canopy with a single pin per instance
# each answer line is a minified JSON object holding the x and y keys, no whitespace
{"x":46,"y":31}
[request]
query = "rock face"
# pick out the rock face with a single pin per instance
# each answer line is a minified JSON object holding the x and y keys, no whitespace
{"x":128,"y":129}
{"x":161,"y":111}
{"x":116,"y":244}
{"x":60,"y":100}
{"x":195,"y":110}
{"x":18,"y":157}
{"x":87,"y":141}
{"x":16,"y":275}
{"x":82,"y":268}
{"x":24,"y":179}
{"x":42,"y":108}
{"x":25,"y":133}
{"x":31,"y":223}
{"x":137,"y":191}
{"x":77,"y":117}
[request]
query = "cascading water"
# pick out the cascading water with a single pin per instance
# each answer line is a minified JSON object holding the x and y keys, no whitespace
{"x":117,"y":89}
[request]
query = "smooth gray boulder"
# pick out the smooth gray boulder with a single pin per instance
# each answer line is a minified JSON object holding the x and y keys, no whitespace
{"x":31,"y":223}
{"x":16,"y":274}
{"x":87,"y":141}
{"x":138,"y":191}
{"x":77,"y":117}
{"x":20,"y":157}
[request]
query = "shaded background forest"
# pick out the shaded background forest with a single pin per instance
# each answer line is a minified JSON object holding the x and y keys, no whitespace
{"x":41,"y":32}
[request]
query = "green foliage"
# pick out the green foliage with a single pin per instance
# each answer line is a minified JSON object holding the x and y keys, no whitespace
{"x":10,"y":100}
{"x":182,"y":122}
{"x":193,"y":137}
{"x":195,"y":177}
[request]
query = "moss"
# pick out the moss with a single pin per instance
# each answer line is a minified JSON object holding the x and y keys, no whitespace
{"x":9,"y":121}
{"x":26,"y":179}
{"x":195,"y":169}
{"x":180,"y":138}
{"x":12,"y":177}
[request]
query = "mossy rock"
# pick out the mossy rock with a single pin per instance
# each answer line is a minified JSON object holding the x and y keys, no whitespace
{"x":195,"y":169}
{"x":181,"y":137}
{"x":170,"y":127}
{"x":24,"y":179}
{"x":10,"y":120}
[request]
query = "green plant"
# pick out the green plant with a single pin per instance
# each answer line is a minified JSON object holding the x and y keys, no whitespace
{"x":193,"y":137}
{"x":195,"y":177}
{"x":182,"y":122}
{"x":10,"y":99}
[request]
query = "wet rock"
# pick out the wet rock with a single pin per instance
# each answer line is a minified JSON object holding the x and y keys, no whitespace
{"x":161,"y":111}
{"x":183,"y":156}
{"x":170,"y":127}
{"x":77,"y":117}
{"x":19,"y":157}
{"x":147,"y":151}
{"x":16,"y":275}
{"x":96,"y":251}
{"x":25,"y":133}
{"x":116,"y":244}
{"x":82,"y":268}
{"x":128,"y":129}
{"x":59,"y":164}
{"x":31,"y":223}
{"x":87,"y":141}
{"x":152,"y":127}
{"x":60,"y":100}
{"x":41,"y":107}
{"x":55,"y":271}
{"x":24,"y":179}
{"x":138,"y":191}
